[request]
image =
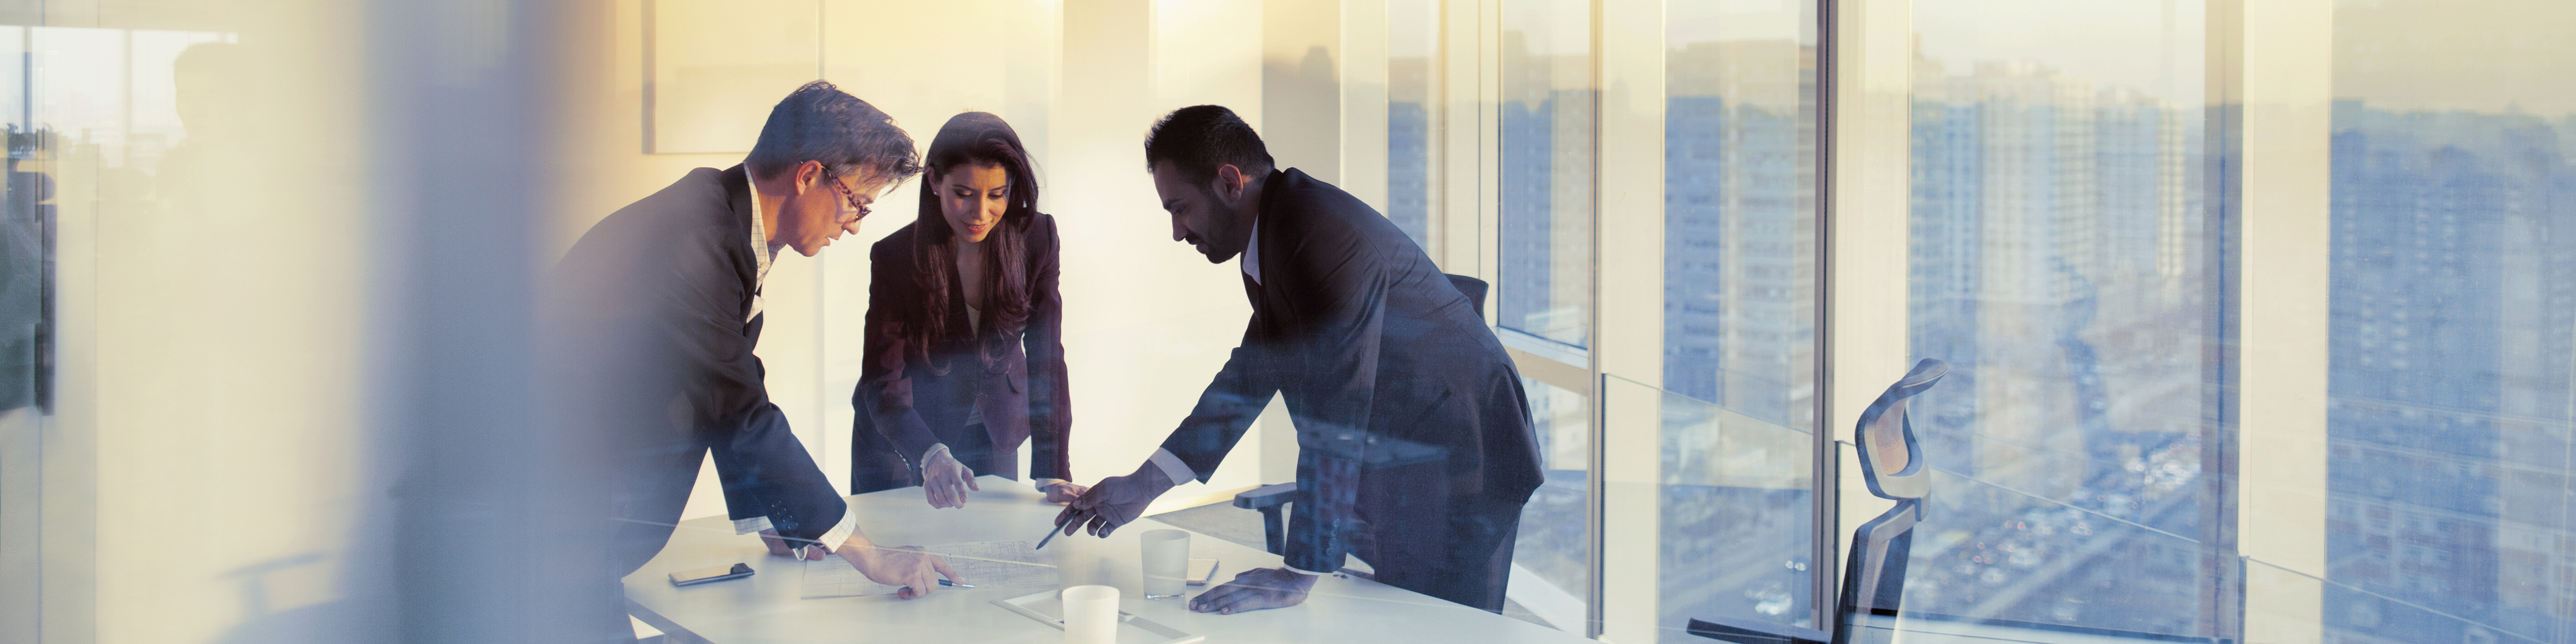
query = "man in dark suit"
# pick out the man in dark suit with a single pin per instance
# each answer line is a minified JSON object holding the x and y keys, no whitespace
{"x":1415,"y":445}
{"x":660,"y":307}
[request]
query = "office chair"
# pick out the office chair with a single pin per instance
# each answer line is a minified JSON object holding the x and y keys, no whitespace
{"x":1273,"y":499}
{"x":1891,"y":462}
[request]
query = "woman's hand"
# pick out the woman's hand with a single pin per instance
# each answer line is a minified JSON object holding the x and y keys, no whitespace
{"x":1063,"y":492}
{"x":945,"y":480}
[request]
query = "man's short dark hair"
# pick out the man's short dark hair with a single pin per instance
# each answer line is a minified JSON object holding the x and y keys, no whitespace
{"x":821,"y":123}
{"x":1198,"y":138}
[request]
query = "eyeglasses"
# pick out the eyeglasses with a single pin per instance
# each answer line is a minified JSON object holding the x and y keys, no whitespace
{"x":847,"y":196}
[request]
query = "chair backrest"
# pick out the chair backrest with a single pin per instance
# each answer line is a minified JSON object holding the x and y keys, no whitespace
{"x":1474,"y":288}
{"x":1873,"y":582}
{"x":1892,"y":464}
{"x":1891,"y":461}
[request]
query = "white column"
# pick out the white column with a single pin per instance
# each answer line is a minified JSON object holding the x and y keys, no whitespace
{"x":1629,"y":337}
{"x":1865,"y":263}
{"x":2283,"y":87}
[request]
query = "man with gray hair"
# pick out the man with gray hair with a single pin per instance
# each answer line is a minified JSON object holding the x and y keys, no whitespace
{"x":661,"y":307}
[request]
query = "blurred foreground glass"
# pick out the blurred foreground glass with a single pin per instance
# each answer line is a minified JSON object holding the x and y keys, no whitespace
{"x":1552,"y":558}
{"x":2452,"y":342}
{"x":1736,"y":513}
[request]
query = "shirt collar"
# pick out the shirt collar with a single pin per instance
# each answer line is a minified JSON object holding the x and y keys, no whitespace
{"x":1252,"y":249}
{"x":760,"y":250}
{"x":1252,"y":253}
{"x":760,"y":253}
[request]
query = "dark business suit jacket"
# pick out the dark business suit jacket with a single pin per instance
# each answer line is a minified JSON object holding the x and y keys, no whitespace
{"x":658,"y":303}
{"x":1409,"y":416}
{"x":904,"y":406}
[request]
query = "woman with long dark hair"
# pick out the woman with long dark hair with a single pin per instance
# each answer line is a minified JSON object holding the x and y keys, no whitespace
{"x":965,"y":350}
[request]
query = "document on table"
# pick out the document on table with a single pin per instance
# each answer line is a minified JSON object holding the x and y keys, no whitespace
{"x":983,"y":564}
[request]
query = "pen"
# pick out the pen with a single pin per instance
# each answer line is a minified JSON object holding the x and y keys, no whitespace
{"x":1050,"y":536}
{"x":945,"y":582}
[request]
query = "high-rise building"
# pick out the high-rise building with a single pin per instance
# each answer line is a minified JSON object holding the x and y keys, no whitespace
{"x":1738,"y":221}
{"x":1545,"y":193}
{"x":2049,"y":244}
{"x":2453,"y":293}
{"x":1408,"y":147}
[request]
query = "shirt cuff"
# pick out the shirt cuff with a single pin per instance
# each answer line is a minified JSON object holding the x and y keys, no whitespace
{"x":1173,"y":467}
{"x":1042,"y":483}
{"x":1303,"y":571}
{"x":840,"y":531}
{"x":751,"y":525}
{"x":935,"y":450}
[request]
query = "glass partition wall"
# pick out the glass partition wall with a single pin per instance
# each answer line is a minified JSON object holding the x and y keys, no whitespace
{"x":1545,"y":120}
{"x":2059,"y":262}
{"x":1738,"y":403}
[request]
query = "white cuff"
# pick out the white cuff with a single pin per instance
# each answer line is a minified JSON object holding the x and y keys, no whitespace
{"x":840,"y":531}
{"x":751,"y":525}
{"x":1042,"y":483}
{"x":1303,"y":571}
{"x":935,"y":450}
{"x":1173,"y":467}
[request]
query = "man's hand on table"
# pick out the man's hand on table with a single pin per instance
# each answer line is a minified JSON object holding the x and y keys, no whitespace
{"x":1063,"y":492}
{"x":916,"y":571}
{"x":780,"y":547}
{"x":945,"y":480}
{"x":1255,"y":589}
{"x":1116,"y":501}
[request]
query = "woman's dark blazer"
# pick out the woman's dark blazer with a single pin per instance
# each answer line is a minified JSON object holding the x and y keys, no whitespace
{"x":904,"y":407}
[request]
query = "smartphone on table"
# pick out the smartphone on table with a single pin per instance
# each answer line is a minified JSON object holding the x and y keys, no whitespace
{"x":710,"y":573}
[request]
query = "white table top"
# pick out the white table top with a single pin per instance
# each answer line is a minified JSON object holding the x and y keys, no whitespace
{"x":765,"y":607}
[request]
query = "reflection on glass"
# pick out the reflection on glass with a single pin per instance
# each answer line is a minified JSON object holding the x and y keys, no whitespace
{"x":2452,"y":332}
{"x":1554,"y":546}
{"x":2356,"y":615}
{"x":1739,"y":316}
{"x":130,"y":111}
{"x":23,"y":248}
{"x":1739,"y":208}
{"x":1992,"y":563}
{"x":2057,"y":265}
{"x":1993,"y":553}
{"x":1737,"y":512}
{"x":1546,"y":182}
{"x":1412,"y":53}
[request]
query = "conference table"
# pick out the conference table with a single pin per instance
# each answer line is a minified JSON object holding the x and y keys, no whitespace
{"x":767,"y":607}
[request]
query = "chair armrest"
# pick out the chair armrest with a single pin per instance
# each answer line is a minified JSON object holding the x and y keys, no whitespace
{"x":1270,"y":499}
{"x":1267,"y":496}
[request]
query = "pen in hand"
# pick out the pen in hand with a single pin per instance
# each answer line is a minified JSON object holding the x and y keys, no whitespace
{"x":945,"y":582}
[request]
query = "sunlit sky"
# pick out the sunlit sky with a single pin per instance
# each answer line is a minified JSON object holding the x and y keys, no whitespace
{"x":2153,"y":46}
{"x":2485,"y":56}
